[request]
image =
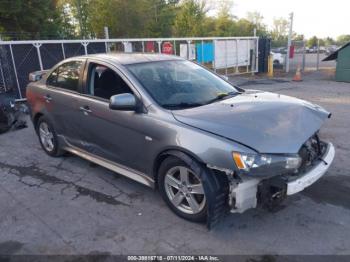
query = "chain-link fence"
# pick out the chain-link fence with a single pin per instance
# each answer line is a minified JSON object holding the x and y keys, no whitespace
{"x":226,"y":55}
{"x":301,"y":56}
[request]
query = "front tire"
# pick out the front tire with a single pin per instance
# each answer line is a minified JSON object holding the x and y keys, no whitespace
{"x":48,"y":137}
{"x":182,"y":189}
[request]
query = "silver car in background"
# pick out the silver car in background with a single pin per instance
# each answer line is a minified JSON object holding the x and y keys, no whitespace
{"x":171,"y":124}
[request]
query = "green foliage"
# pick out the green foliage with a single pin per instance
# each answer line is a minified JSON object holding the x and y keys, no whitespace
{"x":279,"y":32}
{"x":27,"y":19}
{"x":189,"y":19}
{"x":312,"y":42}
{"x":81,"y":16}
{"x":343,"y":39}
{"x":329,"y":41}
{"x":256,"y":19}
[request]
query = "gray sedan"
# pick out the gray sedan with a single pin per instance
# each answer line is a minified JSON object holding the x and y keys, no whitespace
{"x":166,"y":122}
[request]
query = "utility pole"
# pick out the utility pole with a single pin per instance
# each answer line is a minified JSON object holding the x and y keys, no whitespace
{"x":291,"y":15}
{"x":106,"y":37}
{"x":318,"y":55}
{"x":106,"y":32}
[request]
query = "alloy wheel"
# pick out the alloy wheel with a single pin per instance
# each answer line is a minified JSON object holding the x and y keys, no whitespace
{"x":184,"y":190}
{"x":46,"y":137}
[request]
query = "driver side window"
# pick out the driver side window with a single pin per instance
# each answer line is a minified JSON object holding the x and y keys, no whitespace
{"x":104,"y":82}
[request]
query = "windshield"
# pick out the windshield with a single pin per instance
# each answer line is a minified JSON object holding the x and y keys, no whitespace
{"x":180,"y":84}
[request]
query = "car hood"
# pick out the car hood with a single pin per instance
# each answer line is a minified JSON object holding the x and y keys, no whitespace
{"x":264,"y":121}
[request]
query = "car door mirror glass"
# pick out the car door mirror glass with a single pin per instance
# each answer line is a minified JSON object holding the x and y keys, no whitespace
{"x":124,"y":102}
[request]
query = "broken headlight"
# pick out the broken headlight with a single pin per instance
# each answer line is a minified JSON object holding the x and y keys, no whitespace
{"x":247,"y":161}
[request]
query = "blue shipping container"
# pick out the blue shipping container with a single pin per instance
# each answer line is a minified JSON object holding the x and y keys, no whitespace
{"x":208,"y":52}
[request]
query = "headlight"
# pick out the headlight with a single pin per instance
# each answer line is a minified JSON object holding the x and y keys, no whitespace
{"x":245,"y":161}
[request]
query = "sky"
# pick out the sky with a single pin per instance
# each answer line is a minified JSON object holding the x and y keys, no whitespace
{"x":311,"y":17}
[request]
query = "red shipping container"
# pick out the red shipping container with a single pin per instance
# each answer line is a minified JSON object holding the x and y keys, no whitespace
{"x":150,"y":47}
{"x":167,"y":48}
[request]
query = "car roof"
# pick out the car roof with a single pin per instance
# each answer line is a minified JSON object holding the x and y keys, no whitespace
{"x":132,"y":58}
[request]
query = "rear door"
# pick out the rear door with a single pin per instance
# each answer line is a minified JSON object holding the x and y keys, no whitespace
{"x":61,"y":96}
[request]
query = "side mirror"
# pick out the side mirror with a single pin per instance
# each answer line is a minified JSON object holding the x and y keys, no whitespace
{"x":123,"y":102}
{"x":37,"y":75}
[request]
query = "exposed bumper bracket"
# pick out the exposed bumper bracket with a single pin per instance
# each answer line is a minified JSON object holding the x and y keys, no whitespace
{"x":314,"y":174}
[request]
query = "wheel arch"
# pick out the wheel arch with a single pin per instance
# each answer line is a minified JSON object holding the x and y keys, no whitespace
{"x":36,"y":118}
{"x":216,"y":187}
{"x":180,"y":153}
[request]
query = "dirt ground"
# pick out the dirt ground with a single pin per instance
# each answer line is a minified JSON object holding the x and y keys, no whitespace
{"x":70,"y":206}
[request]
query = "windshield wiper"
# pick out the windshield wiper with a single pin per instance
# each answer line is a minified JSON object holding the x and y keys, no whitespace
{"x":223,"y":96}
{"x":181,"y":105}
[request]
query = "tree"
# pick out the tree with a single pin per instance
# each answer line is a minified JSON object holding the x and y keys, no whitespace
{"x":280,"y":27}
{"x":189,"y":19}
{"x":329,"y":41}
{"x":312,"y":42}
{"x":279,"y":32}
{"x":160,"y":24}
{"x":298,"y":37}
{"x":343,"y":39}
{"x":224,"y":8}
{"x":257,"y":19}
{"x":79,"y":12}
{"x":69,"y":23}
{"x":30,"y":19}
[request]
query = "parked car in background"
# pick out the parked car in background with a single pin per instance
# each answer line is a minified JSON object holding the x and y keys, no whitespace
{"x":331,"y":49}
{"x":171,"y":124}
{"x":278,"y":58}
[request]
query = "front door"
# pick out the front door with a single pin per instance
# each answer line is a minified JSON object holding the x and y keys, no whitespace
{"x":115,"y":135}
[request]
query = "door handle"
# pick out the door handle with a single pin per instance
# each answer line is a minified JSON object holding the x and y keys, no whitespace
{"x":48,"y":98}
{"x":85,"y":109}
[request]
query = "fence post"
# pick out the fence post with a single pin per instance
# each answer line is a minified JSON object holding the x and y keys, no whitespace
{"x":257,"y":56}
{"x":15,"y":70}
{"x":174,"y":47}
{"x":237,"y":56}
{"x":2,"y":76}
{"x":124,"y":45}
{"x":188,"y":49}
{"x":37,"y":46}
{"x":304,"y":47}
{"x":63,"y":52}
{"x":202,"y":53}
{"x":213,"y":63}
{"x":159,"y":47}
{"x":226,"y":58}
{"x":248,"y":53}
{"x":85,"y":44}
{"x":143,"y":46}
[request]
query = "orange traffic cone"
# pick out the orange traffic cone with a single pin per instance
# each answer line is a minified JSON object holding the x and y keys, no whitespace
{"x":297,"y":76}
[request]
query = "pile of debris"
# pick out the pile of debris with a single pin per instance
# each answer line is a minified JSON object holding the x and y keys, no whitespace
{"x":12,"y":113}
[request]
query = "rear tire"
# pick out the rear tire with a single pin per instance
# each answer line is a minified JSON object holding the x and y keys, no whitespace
{"x":47,"y":137}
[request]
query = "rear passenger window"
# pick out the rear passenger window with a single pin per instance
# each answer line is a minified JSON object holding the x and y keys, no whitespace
{"x":66,"y":76}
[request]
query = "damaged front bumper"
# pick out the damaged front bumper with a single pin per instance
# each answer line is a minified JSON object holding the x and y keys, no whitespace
{"x":315,"y":173}
{"x":250,"y":192}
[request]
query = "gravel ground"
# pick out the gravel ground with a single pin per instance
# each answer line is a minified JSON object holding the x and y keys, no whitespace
{"x":70,"y":206}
